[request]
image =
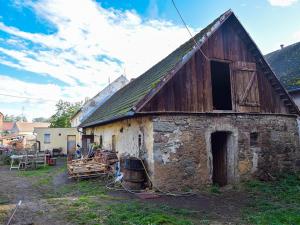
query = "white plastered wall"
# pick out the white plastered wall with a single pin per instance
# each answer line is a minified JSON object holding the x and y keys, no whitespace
{"x":127,"y":137}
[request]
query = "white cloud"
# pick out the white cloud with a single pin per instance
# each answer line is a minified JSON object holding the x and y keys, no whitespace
{"x":38,"y":99}
{"x":91,"y":44}
{"x":83,"y":37}
{"x":296,"y":36}
{"x":282,"y":3}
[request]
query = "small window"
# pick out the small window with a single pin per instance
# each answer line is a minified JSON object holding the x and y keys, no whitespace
{"x":140,"y":141}
{"x":113,"y":143}
{"x":253,"y":139}
{"x":101,"y":141}
{"x":46,"y":138}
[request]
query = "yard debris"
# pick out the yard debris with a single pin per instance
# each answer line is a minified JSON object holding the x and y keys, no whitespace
{"x":85,"y":168}
{"x":101,"y":164}
{"x":106,"y":156}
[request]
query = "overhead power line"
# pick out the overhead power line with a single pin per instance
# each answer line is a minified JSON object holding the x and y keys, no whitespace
{"x":24,"y":97}
{"x":184,"y":23}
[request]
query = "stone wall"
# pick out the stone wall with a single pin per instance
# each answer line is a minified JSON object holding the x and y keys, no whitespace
{"x":182,"y":147}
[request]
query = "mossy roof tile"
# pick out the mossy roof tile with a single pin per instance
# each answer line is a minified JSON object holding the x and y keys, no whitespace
{"x":121,"y":104}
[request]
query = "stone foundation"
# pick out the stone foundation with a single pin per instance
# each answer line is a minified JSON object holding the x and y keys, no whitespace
{"x":182,"y":148}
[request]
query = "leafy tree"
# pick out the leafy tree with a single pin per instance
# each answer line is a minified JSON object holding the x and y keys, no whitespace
{"x":64,"y":111}
{"x":41,"y":119}
{"x":12,"y":118}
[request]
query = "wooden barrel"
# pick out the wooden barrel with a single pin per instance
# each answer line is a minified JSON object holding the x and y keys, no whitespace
{"x":133,"y":174}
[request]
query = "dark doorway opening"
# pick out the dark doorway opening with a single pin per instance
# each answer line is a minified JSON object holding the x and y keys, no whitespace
{"x":221,"y":87}
{"x":86,"y":141}
{"x":219,"y":145}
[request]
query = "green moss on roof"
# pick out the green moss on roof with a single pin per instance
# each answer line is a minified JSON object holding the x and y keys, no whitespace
{"x":122,"y":102}
{"x":286,"y":64}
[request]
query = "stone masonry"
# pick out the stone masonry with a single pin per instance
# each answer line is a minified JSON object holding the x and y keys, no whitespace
{"x":182,"y":147}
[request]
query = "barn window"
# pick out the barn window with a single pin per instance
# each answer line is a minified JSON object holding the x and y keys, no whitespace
{"x":101,"y":141}
{"x":221,"y":87}
{"x":253,"y":139}
{"x":113,"y":143}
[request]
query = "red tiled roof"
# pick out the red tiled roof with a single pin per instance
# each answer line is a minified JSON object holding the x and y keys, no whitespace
{"x":29,"y":127}
{"x":7,"y":126}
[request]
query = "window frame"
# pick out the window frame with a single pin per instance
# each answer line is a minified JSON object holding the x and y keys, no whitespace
{"x":48,"y":139}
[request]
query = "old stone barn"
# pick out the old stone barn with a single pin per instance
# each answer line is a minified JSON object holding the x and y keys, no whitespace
{"x":207,"y":113}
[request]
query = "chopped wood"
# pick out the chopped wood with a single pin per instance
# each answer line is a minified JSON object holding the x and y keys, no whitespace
{"x":86,"y":168}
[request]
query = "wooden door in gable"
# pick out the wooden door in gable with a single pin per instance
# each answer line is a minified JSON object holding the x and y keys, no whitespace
{"x":245,"y":87}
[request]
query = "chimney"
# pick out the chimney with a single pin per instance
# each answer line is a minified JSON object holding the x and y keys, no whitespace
{"x":282,"y":46}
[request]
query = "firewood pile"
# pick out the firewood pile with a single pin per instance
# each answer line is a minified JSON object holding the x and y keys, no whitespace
{"x":101,"y":164}
{"x":86,"y":168}
{"x":106,"y":157}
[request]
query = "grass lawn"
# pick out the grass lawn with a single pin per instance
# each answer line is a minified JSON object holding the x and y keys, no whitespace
{"x":88,"y":202}
{"x":95,"y":206}
{"x":274,"y":203}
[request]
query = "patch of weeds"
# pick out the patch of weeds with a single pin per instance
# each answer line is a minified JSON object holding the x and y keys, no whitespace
{"x":3,"y":216}
{"x":84,"y":210}
{"x":276,"y":202}
{"x":5,"y":159}
{"x":39,"y":172}
{"x":215,"y":189}
{"x":138,"y":213}
{"x":3,"y":200}
{"x":81,"y":188}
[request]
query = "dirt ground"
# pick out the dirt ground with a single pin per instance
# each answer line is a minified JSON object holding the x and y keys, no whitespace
{"x":36,"y":194}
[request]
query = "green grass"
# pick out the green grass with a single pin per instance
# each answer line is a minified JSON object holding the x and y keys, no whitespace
{"x":215,"y":189}
{"x":274,"y":203}
{"x":92,"y":210}
{"x":89,"y":203}
{"x":43,"y":175}
{"x":39,"y":172}
{"x":85,"y":188}
{"x":140,"y":213}
{"x":3,"y":200}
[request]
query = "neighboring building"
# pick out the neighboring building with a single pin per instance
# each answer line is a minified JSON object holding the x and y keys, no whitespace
{"x":218,"y":115}
{"x":22,"y":136}
{"x":26,"y":128}
{"x":54,"y":138}
{"x":1,"y":122}
{"x":91,"y":105}
{"x":285,"y":62}
{"x":75,"y":119}
{"x":296,"y":96}
{"x":5,"y":127}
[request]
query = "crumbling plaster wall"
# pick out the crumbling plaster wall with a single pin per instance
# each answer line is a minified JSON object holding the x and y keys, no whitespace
{"x":182,"y":152}
{"x":127,"y":134}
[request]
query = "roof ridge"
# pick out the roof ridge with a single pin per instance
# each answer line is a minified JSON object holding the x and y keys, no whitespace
{"x":121,"y":104}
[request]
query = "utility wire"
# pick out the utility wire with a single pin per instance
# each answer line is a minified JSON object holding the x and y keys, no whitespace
{"x":24,"y":97}
{"x":196,"y":43}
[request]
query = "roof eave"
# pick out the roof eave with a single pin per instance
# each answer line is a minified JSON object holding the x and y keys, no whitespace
{"x":113,"y":119}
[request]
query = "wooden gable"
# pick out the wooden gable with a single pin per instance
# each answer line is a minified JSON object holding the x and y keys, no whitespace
{"x":253,"y":87}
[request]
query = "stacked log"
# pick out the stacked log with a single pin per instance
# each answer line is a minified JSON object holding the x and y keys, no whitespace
{"x":86,"y":168}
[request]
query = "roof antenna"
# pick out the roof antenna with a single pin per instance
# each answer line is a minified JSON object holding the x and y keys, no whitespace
{"x":22,"y":116}
{"x":109,"y":80}
{"x":196,"y":43}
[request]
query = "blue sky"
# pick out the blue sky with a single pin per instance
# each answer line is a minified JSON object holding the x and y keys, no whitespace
{"x":66,"y":49}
